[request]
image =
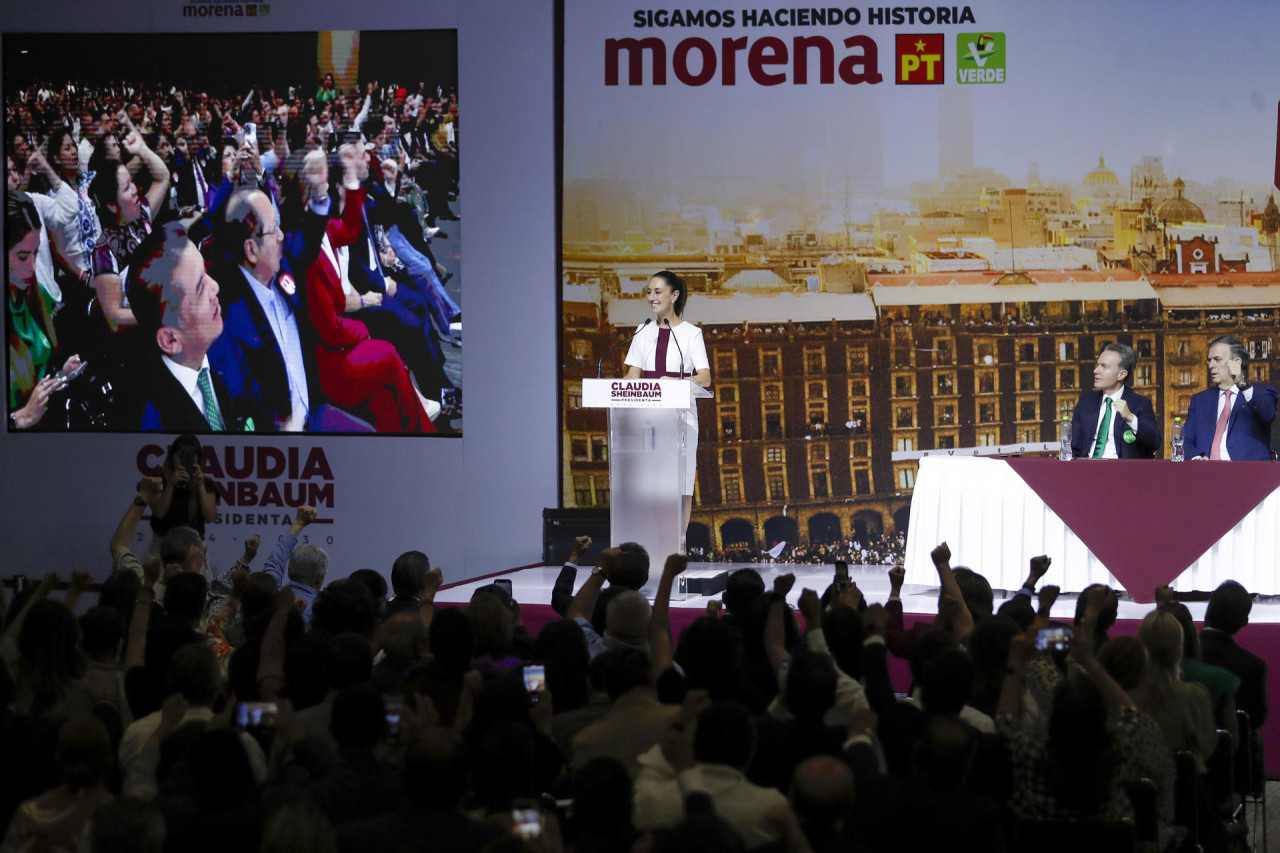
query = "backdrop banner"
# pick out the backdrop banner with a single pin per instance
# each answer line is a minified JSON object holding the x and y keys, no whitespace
{"x":907,"y":231}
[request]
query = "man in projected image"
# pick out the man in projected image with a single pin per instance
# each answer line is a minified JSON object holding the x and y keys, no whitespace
{"x":176,"y":303}
{"x":266,"y":354}
{"x":1231,"y":420}
{"x":1113,"y":421}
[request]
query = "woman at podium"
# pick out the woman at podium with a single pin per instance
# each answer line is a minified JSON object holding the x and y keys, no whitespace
{"x":672,"y":348}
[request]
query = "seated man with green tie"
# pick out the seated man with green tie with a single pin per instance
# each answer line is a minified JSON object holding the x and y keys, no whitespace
{"x":1113,"y":421}
{"x":176,"y":304}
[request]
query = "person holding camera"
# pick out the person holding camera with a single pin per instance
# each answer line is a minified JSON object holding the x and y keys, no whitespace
{"x":186,"y":498}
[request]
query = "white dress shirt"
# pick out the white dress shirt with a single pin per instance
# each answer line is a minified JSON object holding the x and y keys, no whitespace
{"x":189,"y":380}
{"x":284,"y":325}
{"x":1217,"y":413}
{"x":1109,"y":452}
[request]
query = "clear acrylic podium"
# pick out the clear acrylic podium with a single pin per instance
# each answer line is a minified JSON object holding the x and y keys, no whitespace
{"x":647,"y":437}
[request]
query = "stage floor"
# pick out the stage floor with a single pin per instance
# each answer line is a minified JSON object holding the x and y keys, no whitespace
{"x":533,"y":586}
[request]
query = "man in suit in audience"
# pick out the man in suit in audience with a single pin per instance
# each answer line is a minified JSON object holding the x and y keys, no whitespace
{"x":1227,"y":613}
{"x":1113,"y":421}
{"x":176,"y":303}
{"x":266,"y":355}
{"x":1231,"y":420}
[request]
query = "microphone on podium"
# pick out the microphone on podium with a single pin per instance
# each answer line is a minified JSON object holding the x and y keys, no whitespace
{"x":666,"y":322}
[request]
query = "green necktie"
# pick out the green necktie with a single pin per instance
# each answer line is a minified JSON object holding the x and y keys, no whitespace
{"x":211,"y":413}
{"x":1103,"y":432}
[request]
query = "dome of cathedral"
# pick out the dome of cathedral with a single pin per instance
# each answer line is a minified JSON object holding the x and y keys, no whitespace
{"x":1101,"y":176}
{"x":1179,"y":209}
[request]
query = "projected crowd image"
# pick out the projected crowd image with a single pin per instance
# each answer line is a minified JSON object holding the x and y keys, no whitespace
{"x":233,"y":233}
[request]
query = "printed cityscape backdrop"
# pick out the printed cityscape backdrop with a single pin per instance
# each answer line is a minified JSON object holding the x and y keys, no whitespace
{"x":884,"y":269}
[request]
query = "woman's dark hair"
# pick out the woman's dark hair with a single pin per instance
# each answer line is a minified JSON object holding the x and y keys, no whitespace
{"x":563,"y":650}
{"x":153,"y":140}
{"x":1079,"y":749}
{"x":104,"y":189}
{"x":54,"y":145}
{"x":976,"y":591}
{"x":676,"y":283}
{"x":50,"y":647}
{"x":185,"y":451}
{"x":1190,"y":638}
{"x":20,"y":218}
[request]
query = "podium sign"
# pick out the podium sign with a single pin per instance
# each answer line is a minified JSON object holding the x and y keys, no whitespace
{"x":647,"y":439}
{"x":636,"y":393}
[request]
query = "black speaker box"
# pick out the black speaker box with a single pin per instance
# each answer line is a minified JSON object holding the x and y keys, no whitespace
{"x":561,"y":526}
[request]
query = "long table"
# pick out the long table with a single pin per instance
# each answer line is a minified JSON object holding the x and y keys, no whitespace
{"x":1133,"y":524}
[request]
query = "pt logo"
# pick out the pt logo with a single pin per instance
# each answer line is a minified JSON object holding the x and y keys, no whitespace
{"x":980,"y":58}
{"x":920,"y":58}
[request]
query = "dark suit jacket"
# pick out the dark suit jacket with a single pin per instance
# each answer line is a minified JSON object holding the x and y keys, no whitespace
{"x":1248,"y":430}
{"x":1220,"y":649}
{"x":186,"y":182}
{"x":163,"y":405}
{"x":402,"y":604}
{"x":1084,"y":423}
{"x":248,"y":357}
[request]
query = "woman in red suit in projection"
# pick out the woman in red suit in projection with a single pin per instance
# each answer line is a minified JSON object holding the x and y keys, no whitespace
{"x":354,"y":368}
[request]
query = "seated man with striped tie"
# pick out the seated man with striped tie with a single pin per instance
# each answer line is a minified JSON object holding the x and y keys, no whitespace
{"x":1113,"y":421}
{"x":176,"y":303}
{"x":1233,"y":419}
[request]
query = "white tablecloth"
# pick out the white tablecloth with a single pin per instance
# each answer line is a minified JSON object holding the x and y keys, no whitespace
{"x":995,"y":523}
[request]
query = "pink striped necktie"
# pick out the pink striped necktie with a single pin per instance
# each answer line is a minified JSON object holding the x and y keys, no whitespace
{"x":1221,"y":430}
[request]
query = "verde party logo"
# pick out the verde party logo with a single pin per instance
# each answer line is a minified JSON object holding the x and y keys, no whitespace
{"x":980,"y":58}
